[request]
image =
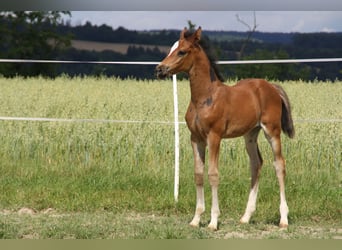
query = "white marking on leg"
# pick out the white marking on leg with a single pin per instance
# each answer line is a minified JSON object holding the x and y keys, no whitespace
{"x":200,"y":206}
{"x":199,"y":158}
{"x":283,"y":208}
{"x":215,"y":210}
{"x":251,"y":204}
{"x":255,"y":165}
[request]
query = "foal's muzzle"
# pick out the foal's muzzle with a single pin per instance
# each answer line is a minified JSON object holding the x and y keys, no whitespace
{"x":162,"y":71}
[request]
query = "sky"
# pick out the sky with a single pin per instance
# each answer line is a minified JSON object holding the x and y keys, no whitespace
{"x":267,"y":21}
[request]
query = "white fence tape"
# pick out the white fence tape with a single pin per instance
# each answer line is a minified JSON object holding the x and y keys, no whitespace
{"x":312,"y":60}
{"x":81,"y":120}
{"x":43,"y":119}
{"x":74,"y":62}
{"x":309,"y":60}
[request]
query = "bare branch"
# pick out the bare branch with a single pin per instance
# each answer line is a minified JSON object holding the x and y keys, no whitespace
{"x":243,"y":22}
{"x":250,"y":33}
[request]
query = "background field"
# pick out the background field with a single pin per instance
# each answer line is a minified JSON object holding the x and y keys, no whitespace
{"x":117,"y":47}
{"x":115,"y":180}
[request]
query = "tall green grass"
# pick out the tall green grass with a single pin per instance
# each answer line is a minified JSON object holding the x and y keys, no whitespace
{"x":115,"y":167}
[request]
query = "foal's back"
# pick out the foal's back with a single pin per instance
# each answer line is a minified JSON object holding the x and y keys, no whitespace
{"x":247,"y":104}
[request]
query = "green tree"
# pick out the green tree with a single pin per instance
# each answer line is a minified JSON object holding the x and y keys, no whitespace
{"x":30,"y":35}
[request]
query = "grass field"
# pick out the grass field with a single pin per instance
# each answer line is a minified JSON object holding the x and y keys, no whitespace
{"x":115,"y":180}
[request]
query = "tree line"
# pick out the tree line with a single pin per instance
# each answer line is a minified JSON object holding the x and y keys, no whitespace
{"x":45,"y":35}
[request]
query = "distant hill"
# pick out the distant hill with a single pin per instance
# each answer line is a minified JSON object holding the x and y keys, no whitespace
{"x":91,"y":42}
{"x":105,"y":33}
{"x":103,"y":43}
{"x":266,"y":37}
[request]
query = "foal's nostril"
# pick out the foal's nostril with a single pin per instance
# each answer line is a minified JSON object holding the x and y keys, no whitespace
{"x":161,"y":71}
{"x":157,"y":71}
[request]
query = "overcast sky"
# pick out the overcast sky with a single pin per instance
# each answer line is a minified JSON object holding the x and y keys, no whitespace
{"x":267,"y":21}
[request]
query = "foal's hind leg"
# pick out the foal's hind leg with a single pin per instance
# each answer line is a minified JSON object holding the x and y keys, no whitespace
{"x":273,"y":137}
{"x":255,"y":165}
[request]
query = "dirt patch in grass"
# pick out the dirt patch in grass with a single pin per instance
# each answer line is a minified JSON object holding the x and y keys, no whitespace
{"x":49,"y":223}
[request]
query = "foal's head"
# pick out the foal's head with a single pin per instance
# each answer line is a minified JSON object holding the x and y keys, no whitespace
{"x":181,"y":56}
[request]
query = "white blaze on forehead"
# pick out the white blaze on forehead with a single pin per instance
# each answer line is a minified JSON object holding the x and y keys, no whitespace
{"x":174,"y":47}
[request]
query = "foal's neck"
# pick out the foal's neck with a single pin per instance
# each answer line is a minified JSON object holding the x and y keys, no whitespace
{"x":203,"y":80}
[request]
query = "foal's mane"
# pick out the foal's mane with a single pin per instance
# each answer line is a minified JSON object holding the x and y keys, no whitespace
{"x":204,"y":42}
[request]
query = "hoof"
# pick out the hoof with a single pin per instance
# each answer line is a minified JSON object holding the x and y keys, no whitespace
{"x":242,"y":221}
{"x":193,"y":225}
{"x":283,"y":225}
{"x":212,"y":227}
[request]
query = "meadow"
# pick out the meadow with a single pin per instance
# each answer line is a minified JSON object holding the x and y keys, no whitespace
{"x":97,"y":179}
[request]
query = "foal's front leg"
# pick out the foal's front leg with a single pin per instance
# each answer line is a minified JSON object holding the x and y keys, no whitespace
{"x":199,"y":159}
{"x":213,"y":173}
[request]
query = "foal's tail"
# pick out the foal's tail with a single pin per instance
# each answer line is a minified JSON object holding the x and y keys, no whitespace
{"x":286,"y":117}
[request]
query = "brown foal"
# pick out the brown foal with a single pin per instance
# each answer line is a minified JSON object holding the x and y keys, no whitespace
{"x":218,"y":111}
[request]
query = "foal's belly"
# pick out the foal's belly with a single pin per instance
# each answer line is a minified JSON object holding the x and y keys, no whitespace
{"x":235,"y":129}
{"x":224,"y":124}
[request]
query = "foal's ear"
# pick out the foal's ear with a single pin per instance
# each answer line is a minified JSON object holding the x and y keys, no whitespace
{"x":197,"y":34}
{"x":182,"y":35}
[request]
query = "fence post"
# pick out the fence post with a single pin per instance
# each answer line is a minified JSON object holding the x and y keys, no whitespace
{"x":175,"y":109}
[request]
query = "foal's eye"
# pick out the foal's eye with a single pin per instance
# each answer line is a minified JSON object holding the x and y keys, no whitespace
{"x":181,"y":53}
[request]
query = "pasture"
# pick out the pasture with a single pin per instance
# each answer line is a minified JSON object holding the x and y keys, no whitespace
{"x":115,"y":180}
